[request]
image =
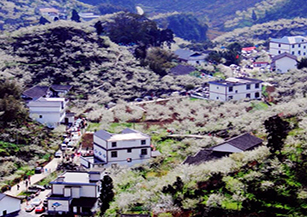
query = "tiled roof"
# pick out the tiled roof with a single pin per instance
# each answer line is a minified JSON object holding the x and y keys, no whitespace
{"x":128,"y":130}
{"x":102,"y":134}
{"x":2,"y":196}
{"x":235,"y":81}
{"x":202,"y":156}
{"x":245,"y":141}
{"x":290,"y":39}
{"x":36,"y":92}
{"x":280,"y":56}
{"x":184,"y":54}
{"x":182,"y":70}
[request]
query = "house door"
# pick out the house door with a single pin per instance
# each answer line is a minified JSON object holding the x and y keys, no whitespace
{"x":66,"y":121}
{"x":4,"y":213}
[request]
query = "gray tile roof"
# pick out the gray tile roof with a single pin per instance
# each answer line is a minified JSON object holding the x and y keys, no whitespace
{"x":36,"y":92}
{"x":102,"y":134}
{"x":243,"y":142}
{"x":128,"y":130}
{"x":184,"y":54}
{"x":182,"y":70}
{"x":2,"y":196}
{"x":285,"y":54}
{"x":289,"y":39}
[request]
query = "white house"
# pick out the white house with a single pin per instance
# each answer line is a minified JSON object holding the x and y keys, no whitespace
{"x":9,"y":205}
{"x":75,"y":193}
{"x":191,"y":57}
{"x":283,"y":62}
{"x":48,"y":111}
{"x":129,"y":147}
{"x":294,"y":45}
{"x":235,"y":88}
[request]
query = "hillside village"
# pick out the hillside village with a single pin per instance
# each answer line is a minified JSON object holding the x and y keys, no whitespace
{"x":94,"y":123}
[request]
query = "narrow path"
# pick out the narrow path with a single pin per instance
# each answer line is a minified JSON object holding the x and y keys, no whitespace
{"x":51,"y":167}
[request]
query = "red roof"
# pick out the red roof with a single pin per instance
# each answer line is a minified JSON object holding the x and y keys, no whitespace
{"x":248,"y":48}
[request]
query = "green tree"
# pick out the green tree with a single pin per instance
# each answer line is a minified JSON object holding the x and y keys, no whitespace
{"x":99,"y":28}
{"x":129,"y":28}
{"x":277,"y":130}
{"x":302,"y":63}
{"x":106,"y":194}
{"x":43,"y":20}
{"x":159,"y":60}
{"x":75,"y":16}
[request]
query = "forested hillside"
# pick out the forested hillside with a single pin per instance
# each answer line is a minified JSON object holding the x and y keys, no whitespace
{"x":24,"y":144}
{"x":72,"y":53}
{"x":16,"y":13}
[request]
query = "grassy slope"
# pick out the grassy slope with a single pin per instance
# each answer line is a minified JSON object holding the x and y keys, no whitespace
{"x":243,"y":183}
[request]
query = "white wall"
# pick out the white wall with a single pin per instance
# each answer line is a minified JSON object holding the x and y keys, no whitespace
{"x":57,"y":189}
{"x":222,"y":93}
{"x":76,"y":192}
{"x":217,"y":92}
{"x":89,"y":191}
{"x":100,"y":153}
{"x":284,"y":64}
{"x":9,"y":204}
{"x":129,"y":143}
{"x":122,"y":155}
{"x":274,"y":48}
{"x":100,"y":142}
{"x":297,"y":50}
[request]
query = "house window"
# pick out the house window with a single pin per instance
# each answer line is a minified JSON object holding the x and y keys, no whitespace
{"x":279,"y":45}
{"x":236,"y":91}
{"x":292,"y":52}
{"x":113,"y":144}
{"x":217,"y":87}
{"x":248,"y":87}
{"x":299,"y":45}
{"x":256,"y":85}
{"x":129,"y":150}
{"x":257,"y":95}
{"x":143,"y":142}
{"x":143,"y":151}
{"x":299,"y":52}
{"x":248,"y":95}
{"x":279,"y":52}
{"x":114,"y":154}
{"x":230,"y":97}
{"x":217,"y":97}
{"x":62,"y":105}
{"x":293,"y":46}
{"x":230,"y":89}
{"x":304,"y":47}
{"x":304,"y":53}
{"x":40,"y":116}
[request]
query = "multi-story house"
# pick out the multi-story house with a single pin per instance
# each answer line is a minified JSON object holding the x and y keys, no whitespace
{"x":48,"y":111}
{"x":128,"y":147}
{"x":47,"y":105}
{"x":75,"y":193}
{"x":294,"y":45}
{"x":235,"y":89}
